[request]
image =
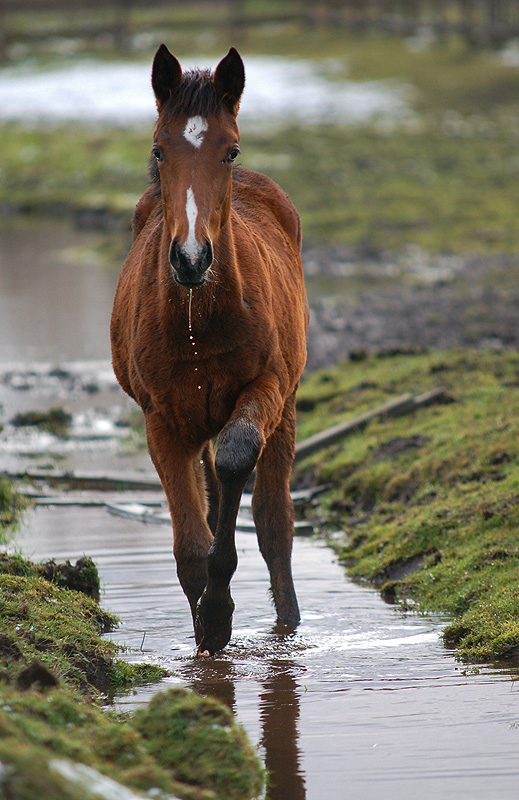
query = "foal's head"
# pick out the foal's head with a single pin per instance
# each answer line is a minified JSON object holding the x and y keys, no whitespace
{"x":196,"y":142}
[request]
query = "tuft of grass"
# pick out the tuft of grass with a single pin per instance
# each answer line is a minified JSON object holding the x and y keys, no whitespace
{"x":56,"y":421}
{"x":197,"y":739}
{"x":12,"y":505}
{"x":429,"y":502}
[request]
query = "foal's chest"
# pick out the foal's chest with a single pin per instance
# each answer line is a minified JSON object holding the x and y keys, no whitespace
{"x":203,"y":393}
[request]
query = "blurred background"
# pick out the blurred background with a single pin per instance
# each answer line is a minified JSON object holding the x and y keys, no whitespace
{"x":392,"y":124}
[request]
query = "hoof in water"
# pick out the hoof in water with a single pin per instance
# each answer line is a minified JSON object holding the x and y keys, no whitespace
{"x":213,"y":623}
{"x":285,"y":628}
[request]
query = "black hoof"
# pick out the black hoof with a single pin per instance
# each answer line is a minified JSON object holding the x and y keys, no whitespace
{"x":282,"y":628}
{"x":213,"y":623}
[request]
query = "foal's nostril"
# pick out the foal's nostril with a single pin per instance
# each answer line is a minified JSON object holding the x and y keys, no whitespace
{"x":174,"y":253}
{"x":207,"y":255}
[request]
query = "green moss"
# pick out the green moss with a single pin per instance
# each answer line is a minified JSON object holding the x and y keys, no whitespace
{"x":434,"y":521}
{"x":56,"y":420}
{"x":61,"y":725}
{"x":12,"y":504}
{"x":197,"y":739}
{"x":59,"y":627}
{"x":49,"y":614}
{"x":26,"y":774}
{"x":83,"y":577}
{"x":124,"y":676}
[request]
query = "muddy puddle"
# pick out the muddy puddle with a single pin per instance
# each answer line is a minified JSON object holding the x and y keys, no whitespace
{"x":362,"y":702}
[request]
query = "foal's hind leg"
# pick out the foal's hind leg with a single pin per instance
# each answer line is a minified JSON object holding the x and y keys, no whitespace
{"x":273,"y":512}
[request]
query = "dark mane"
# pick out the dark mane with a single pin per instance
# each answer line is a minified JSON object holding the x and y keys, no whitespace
{"x":196,"y":95}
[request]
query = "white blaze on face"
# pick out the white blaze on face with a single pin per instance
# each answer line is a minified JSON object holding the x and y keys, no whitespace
{"x":194,"y":130}
{"x":190,"y":246}
{"x":194,"y":134}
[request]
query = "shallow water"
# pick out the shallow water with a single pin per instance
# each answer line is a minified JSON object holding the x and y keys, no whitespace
{"x":278,"y":90}
{"x":55,"y":303}
{"x":360,"y":702}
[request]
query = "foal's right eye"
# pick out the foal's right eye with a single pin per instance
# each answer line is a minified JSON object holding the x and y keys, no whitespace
{"x":157,"y":153}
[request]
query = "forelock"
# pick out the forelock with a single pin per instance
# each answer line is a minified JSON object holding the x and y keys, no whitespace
{"x":196,"y":95}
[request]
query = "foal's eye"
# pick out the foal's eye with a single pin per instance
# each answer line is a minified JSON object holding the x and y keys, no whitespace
{"x":233,"y":155}
{"x":157,"y":153}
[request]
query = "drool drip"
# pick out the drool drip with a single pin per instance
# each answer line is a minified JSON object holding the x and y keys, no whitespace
{"x":190,"y":328}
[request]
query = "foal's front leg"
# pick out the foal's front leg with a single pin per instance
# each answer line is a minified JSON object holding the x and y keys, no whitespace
{"x":183,"y":482}
{"x":239,"y":446}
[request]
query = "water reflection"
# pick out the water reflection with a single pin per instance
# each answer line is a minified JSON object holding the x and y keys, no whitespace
{"x":279,"y":716}
{"x":279,"y":703}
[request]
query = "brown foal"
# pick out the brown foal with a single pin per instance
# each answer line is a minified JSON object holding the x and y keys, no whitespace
{"x":209,"y":337}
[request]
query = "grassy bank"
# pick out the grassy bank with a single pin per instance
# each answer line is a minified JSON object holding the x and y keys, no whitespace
{"x":56,"y":671}
{"x":441,"y":176}
{"x":445,"y":182}
{"x":428,"y":503}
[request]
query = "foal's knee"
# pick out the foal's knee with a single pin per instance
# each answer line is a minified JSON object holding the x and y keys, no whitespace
{"x":239,"y":447}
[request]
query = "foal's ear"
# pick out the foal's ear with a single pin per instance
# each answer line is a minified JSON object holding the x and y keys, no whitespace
{"x":229,"y":80}
{"x":166,"y":75}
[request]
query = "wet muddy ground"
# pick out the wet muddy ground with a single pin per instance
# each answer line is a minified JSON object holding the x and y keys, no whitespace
{"x":362,"y":701}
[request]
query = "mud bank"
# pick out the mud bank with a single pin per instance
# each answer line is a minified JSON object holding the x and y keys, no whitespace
{"x":409,"y":299}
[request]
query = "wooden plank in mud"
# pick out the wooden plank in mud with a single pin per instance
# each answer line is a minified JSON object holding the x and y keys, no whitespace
{"x":92,"y":501}
{"x":93,"y":481}
{"x":141,"y":513}
{"x":102,"y":481}
{"x":403,"y":404}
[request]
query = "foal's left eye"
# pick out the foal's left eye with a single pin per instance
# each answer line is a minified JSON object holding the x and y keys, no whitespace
{"x":233,"y":155}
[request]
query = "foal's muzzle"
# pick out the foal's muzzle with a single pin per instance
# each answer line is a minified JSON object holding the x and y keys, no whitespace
{"x":190,"y":271}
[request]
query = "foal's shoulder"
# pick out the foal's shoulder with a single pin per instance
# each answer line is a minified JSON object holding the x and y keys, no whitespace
{"x":149,"y":202}
{"x":255,"y":190}
{"x":247,"y":181}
